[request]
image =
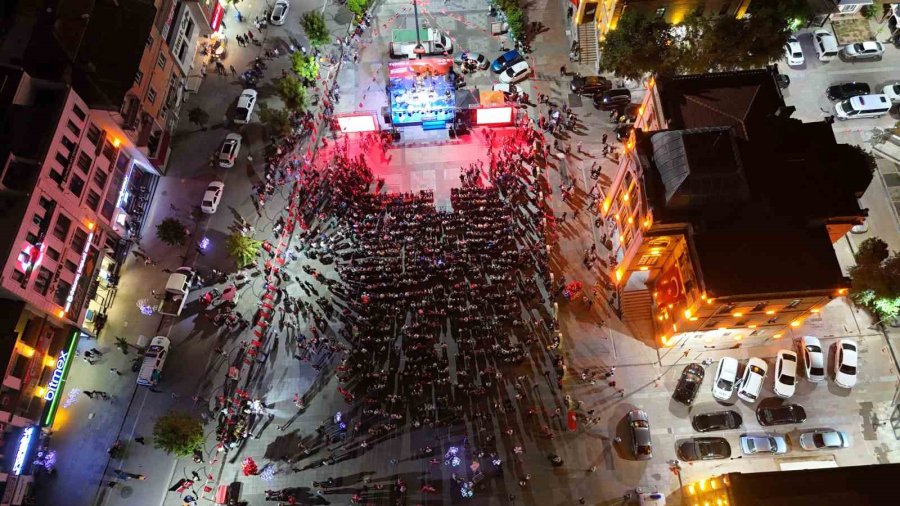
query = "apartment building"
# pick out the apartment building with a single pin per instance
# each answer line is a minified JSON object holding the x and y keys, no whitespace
{"x":606,"y":13}
{"x":724,"y":209}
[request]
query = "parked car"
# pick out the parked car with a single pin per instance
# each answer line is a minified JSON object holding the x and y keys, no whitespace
{"x":824,"y":439}
{"x":506,"y":60}
{"x":781,"y":415}
{"x":752,"y":444}
{"x":825,"y":44}
{"x":612,"y":99}
{"x":212,"y":197}
{"x":860,"y":228}
{"x":726,"y":375}
{"x":846,"y":90}
{"x":245,"y":105}
{"x":703,"y":448}
{"x":863,"y":50}
{"x":793,"y":53}
{"x":813,"y":358}
{"x":507,"y":89}
{"x":752,"y":380}
{"x":892,"y":92}
{"x":689,"y":384}
{"x":516,"y":73}
{"x":279,"y":12}
{"x":639,"y":424}
{"x":785,"y":373}
{"x":231,"y":146}
{"x":590,"y":85}
{"x":476,"y":60}
{"x":154,"y":359}
{"x":717,"y":420}
{"x":846,"y":363}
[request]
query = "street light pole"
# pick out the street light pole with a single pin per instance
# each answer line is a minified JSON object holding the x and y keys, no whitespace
{"x":419,"y":50}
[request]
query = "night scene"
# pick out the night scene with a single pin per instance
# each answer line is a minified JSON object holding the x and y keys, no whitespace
{"x":449,"y":252}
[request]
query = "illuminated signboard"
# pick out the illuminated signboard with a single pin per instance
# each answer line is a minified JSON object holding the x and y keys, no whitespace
{"x":22,"y":452}
{"x":362,"y":123}
{"x":58,"y":380}
{"x":79,"y":271}
{"x":494,"y":116}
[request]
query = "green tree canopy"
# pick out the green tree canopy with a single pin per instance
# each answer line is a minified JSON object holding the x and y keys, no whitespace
{"x":292,"y":92}
{"x":178,"y":432}
{"x":305,"y":66}
{"x":171,"y":231}
{"x":278,"y":120}
{"x":242,"y":249}
{"x":639,"y":45}
{"x":198,"y":117}
{"x":316,"y":31}
{"x":876,"y":278}
{"x":358,"y":7}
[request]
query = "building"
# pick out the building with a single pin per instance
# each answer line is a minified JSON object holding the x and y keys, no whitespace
{"x":724,"y":209}
{"x":830,"y":486}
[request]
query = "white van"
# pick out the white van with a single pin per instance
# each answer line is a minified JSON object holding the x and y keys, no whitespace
{"x":826,"y":45}
{"x":154,"y":358}
{"x":863,"y":106}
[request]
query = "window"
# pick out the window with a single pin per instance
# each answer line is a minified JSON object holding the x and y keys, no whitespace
{"x":56,"y":176}
{"x":62,"y":159}
{"x":42,"y":281}
{"x":100,"y":178}
{"x":161,"y":61}
{"x":18,"y":276}
{"x":109,"y":151}
{"x":52,"y":253}
{"x":772,"y":320}
{"x":151,"y":95}
{"x":62,"y":292}
{"x":759,"y":307}
{"x":727,"y":308}
{"x":31,"y":238}
{"x":150,"y":40}
{"x":79,"y":239}
{"x":37,"y":219}
{"x":794,"y":303}
{"x":93,"y":134}
{"x":78,"y":112}
{"x":173,"y":79}
{"x":46,"y":203}
{"x":84,"y":162}
{"x":138,"y":77}
{"x":93,"y":200}
{"x":73,"y":128}
{"x":76,"y":185}
{"x":68,"y":143}
{"x":71,"y":266}
{"x":660,"y":12}
{"x":61,"y":230}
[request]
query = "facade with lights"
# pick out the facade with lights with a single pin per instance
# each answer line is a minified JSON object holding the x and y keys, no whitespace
{"x":724,"y":209}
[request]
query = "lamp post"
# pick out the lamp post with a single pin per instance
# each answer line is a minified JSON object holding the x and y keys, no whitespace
{"x":419,"y":49}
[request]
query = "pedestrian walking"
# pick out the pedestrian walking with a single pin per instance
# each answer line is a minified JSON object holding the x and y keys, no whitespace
{"x":233,"y":71}
{"x":113,"y":370}
{"x":579,"y":147}
{"x":89,"y":393}
{"x":603,"y":139}
{"x":139,"y":440}
{"x":562,"y":71}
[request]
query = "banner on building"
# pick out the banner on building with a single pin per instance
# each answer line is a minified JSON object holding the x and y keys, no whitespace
{"x":669,"y":287}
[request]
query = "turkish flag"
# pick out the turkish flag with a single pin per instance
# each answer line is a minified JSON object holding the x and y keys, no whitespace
{"x":572,"y":420}
{"x":669,"y":288}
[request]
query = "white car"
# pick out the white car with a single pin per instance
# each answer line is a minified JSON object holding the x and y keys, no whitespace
{"x":506,"y":88}
{"x":212,"y":197}
{"x":793,"y":53}
{"x":785,"y":373}
{"x":245,"y":105}
{"x":860,"y":50}
{"x":476,"y":60}
{"x":516,"y":73}
{"x":752,"y":380}
{"x":846,"y":362}
{"x":813,"y":358}
{"x":726,"y":374}
{"x":231,"y":146}
{"x":279,"y":12}
{"x":892,"y":92}
{"x":821,"y":439}
{"x":751,"y":444}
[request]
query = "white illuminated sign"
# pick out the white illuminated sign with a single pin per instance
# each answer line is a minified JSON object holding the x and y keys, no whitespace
{"x":57,"y":376}
{"x":24,"y":443}
{"x":494,"y":116}
{"x":349,"y":124}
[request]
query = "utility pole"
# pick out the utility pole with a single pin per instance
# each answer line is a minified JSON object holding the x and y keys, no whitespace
{"x":419,"y":49}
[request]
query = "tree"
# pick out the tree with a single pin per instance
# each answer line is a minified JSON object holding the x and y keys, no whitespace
{"x":198,"y":117}
{"x":171,"y":231}
{"x":638,"y":46}
{"x":278,"y":120}
{"x":313,"y":23}
{"x":358,"y":7}
{"x":515,"y":18}
{"x":292,"y":92}
{"x":305,"y":66}
{"x":876,"y":279}
{"x":242,"y":249}
{"x":178,"y":432}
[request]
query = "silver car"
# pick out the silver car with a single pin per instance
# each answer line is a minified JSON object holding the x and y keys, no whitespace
{"x":824,"y":439}
{"x":867,"y":49}
{"x":813,"y":358}
{"x":752,"y":444}
{"x":641,"y":445}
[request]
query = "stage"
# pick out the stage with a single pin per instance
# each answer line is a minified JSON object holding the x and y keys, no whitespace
{"x":422,"y":92}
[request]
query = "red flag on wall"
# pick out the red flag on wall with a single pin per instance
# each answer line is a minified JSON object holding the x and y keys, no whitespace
{"x":669,"y":288}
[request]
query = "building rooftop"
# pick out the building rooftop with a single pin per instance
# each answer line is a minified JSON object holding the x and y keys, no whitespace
{"x":29,"y":113}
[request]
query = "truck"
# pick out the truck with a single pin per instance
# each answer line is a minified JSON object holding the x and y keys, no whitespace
{"x":153,"y":361}
{"x":403,"y":42}
{"x":177,"y":288}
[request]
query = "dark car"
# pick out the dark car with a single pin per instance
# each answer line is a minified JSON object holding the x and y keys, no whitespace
{"x":623,"y":131}
{"x":590,"y":85}
{"x":612,"y":99}
{"x":704,"y":448}
{"x":689,"y":384}
{"x":781,"y":415}
{"x":506,"y":60}
{"x":847,"y":90}
{"x":718,"y":420}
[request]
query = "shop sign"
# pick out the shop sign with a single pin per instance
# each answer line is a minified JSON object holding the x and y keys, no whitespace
{"x":58,"y":380}
{"x":217,"y":13}
{"x":22,"y":452}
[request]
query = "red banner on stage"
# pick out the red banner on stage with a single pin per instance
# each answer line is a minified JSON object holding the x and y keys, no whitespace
{"x":669,"y":288}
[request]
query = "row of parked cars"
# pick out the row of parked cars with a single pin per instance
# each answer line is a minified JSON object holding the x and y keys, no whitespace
{"x":826,"y":47}
{"x":510,"y":67}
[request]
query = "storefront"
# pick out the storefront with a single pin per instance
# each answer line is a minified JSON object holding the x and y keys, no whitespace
{"x":134,"y":198}
{"x":18,"y":462}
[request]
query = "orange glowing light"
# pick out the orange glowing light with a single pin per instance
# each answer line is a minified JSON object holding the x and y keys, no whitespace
{"x":61,"y":313}
{"x":795,"y":323}
{"x":687,"y":313}
{"x":644,"y":268}
{"x":90,"y":226}
{"x":49,"y":361}
{"x":630,"y":220}
{"x":651,"y":82}
{"x":625,"y":197}
{"x":641,"y":110}
{"x":647,"y":223}
{"x":617,"y":217}
{"x":630,"y":144}
{"x":738,"y":337}
{"x":752,"y":326}
{"x":814,"y":310}
{"x":694,"y":318}
{"x":618,"y":275}
{"x":770,"y":312}
{"x":26,"y":351}
{"x":606,"y":205}
{"x":776,"y":336}
{"x":842,"y":291}
{"x":737,"y":315}
{"x":116,"y":143}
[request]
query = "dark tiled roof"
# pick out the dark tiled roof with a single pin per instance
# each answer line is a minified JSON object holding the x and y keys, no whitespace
{"x":856,"y":485}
